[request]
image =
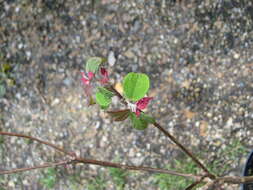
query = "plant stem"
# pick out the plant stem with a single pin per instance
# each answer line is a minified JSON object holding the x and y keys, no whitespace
{"x":131,"y":167}
{"x":38,"y":140}
{"x":33,"y":168}
{"x":190,"y":187}
{"x":75,"y":159}
{"x":185,"y":150}
{"x":171,"y":137}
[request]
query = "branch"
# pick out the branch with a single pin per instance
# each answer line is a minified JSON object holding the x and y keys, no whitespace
{"x":213,"y":184}
{"x":190,"y":187}
{"x":138,"y":168}
{"x":236,"y":179}
{"x":35,"y":167}
{"x":75,"y":159}
{"x":38,"y":140}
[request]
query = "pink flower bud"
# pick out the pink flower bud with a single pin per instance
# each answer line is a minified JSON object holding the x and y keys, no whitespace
{"x":105,"y":77}
{"x":86,"y":79}
{"x":90,"y":75}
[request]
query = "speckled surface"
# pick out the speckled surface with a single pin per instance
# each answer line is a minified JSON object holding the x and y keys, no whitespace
{"x":198,"y":55}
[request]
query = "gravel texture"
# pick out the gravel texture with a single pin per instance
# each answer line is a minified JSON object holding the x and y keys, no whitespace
{"x":198,"y":55}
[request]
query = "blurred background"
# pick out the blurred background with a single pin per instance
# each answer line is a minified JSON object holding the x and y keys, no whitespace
{"x":198,"y":55}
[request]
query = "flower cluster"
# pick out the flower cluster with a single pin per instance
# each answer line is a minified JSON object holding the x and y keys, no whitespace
{"x":87,"y":81}
{"x":104,"y":95}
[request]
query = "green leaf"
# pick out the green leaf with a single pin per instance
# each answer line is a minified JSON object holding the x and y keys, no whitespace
{"x":103,"y":97}
{"x":147,"y":118}
{"x":102,"y":100}
{"x":93,"y":63}
{"x":135,"y":86}
{"x":105,"y":92}
{"x":138,"y":123}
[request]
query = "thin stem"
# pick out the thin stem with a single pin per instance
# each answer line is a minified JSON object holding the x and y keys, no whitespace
{"x":139,"y":168}
{"x":75,"y":159}
{"x":110,"y":87}
{"x":185,"y":150}
{"x":236,"y":179}
{"x":190,"y":187}
{"x":38,"y":140}
{"x":33,"y":168}
{"x":171,"y":137}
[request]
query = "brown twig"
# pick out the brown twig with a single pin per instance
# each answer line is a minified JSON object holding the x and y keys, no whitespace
{"x":190,"y":187}
{"x":38,"y":140}
{"x":208,"y":186}
{"x":139,"y":168}
{"x":235,"y":179}
{"x":75,"y":159}
{"x":35,"y":167}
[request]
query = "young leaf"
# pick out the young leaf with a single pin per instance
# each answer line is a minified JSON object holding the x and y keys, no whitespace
{"x":119,"y":115}
{"x":103,"y":97}
{"x":93,"y":63}
{"x":135,"y":86}
{"x":147,"y":118}
{"x":138,"y":123}
{"x":102,"y":100}
{"x":105,"y":92}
